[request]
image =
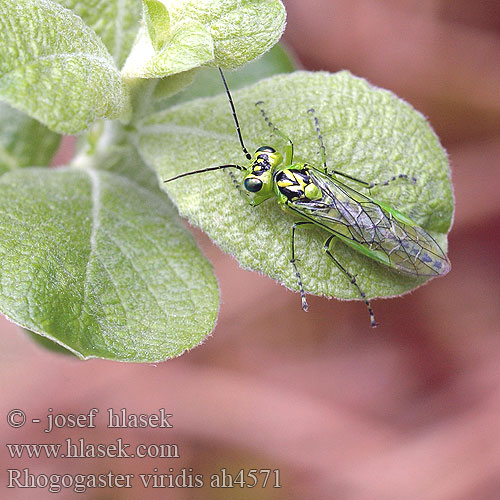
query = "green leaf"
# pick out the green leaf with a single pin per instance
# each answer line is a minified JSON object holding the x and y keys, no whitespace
{"x":190,"y":46}
{"x":368,"y":133}
{"x":100,"y":264}
{"x":114,"y":151}
{"x":157,"y":22}
{"x":172,"y":85}
{"x":23,"y":141}
{"x":55,"y":68}
{"x":225,"y":33}
{"x":276,"y":61}
{"x":115,"y":21}
{"x":207,"y":81}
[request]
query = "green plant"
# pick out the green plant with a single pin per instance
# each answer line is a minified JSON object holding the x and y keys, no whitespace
{"x":93,"y":256}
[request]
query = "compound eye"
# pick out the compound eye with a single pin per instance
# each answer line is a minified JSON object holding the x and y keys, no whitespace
{"x":252,"y":184}
{"x":266,"y":149}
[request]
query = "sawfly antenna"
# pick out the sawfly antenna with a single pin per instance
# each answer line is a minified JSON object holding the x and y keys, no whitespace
{"x":238,"y":130}
{"x":209,"y":169}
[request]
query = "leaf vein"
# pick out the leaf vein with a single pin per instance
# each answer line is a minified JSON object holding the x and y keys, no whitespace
{"x":95,"y":214}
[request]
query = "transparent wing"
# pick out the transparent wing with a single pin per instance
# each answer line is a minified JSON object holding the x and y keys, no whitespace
{"x":375,"y":231}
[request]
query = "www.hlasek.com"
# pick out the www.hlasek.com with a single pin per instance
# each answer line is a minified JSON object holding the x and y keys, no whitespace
{"x":83,"y":449}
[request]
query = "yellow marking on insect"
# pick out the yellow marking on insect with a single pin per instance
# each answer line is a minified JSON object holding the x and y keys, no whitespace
{"x":285,"y":183}
{"x":299,"y":180}
{"x":295,"y":188}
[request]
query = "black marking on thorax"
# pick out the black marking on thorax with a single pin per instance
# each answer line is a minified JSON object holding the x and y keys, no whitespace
{"x":292,"y":183}
{"x":260,"y":165}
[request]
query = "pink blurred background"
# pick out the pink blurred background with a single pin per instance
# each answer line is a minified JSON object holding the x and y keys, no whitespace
{"x":410,"y":411}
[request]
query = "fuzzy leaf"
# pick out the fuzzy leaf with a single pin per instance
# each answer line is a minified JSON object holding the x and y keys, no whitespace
{"x":24,"y":142}
{"x":154,"y":95}
{"x":114,"y":152}
{"x":157,"y":22}
{"x":368,"y":133}
{"x":172,"y":85}
{"x":115,"y":21}
{"x":55,"y":68}
{"x":225,"y":33}
{"x":99,"y":264}
{"x":207,"y":81}
{"x":190,"y":46}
